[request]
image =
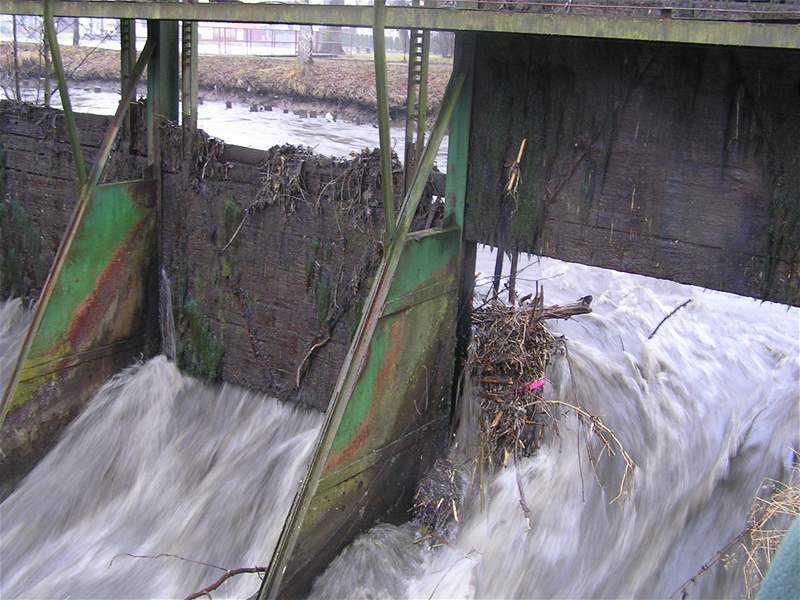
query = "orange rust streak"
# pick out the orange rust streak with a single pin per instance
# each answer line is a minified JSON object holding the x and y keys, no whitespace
{"x":380,"y":386}
{"x":90,"y":311}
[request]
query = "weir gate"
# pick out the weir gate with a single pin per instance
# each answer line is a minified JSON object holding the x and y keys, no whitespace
{"x":653,"y":138}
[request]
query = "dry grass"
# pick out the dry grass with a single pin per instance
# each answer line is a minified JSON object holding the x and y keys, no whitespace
{"x":765,"y":530}
{"x":335,"y":80}
{"x":753,"y":548}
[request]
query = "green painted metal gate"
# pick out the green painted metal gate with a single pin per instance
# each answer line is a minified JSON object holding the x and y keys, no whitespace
{"x":390,"y":411}
{"x":89,"y":319}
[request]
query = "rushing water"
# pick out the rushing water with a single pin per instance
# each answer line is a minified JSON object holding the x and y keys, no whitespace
{"x":14,"y":321}
{"x":707,"y":409}
{"x":157,"y":463}
{"x":160,"y":463}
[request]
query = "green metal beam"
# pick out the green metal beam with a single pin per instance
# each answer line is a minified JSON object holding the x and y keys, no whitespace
{"x":726,"y":33}
{"x":382,"y":93}
{"x":63,"y":90}
{"x":163,"y":79}
{"x":189,"y":83}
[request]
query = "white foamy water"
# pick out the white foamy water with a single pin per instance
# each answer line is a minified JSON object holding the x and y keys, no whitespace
{"x":157,"y":463}
{"x":14,"y":320}
{"x":707,"y":409}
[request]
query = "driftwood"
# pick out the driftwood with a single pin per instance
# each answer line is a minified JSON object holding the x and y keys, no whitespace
{"x":674,"y":310}
{"x":582,"y":307}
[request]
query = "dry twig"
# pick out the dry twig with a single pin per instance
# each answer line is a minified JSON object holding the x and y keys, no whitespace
{"x":206,"y":591}
{"x":674,"y":310}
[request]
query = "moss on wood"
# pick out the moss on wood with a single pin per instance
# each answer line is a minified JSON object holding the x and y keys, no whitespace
{"x":200,"y":351}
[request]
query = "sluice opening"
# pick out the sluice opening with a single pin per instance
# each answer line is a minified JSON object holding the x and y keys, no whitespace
{"x":456,"y":321}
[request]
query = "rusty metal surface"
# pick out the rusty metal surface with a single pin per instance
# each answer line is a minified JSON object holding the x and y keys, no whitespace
{"x":87,"y":193}
{"x":398,"y":415}
{"x":92,"y":324}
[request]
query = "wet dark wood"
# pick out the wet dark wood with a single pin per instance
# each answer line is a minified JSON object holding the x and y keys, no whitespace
{"x":664,"y":160}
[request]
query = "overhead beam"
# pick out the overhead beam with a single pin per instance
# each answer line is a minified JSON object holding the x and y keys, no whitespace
{"x":724,"y":33}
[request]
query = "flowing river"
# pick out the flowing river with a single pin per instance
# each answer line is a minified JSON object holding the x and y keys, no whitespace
{"x":160,"y":463}
{"x":157,"y":464}
{"x":707,"y":409}
{"x":262,"y":130}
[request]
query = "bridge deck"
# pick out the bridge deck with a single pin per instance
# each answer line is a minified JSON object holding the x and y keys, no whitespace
{"x":719,"y":23}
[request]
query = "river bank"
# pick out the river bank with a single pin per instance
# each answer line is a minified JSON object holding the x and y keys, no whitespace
{"x":342,"y":85}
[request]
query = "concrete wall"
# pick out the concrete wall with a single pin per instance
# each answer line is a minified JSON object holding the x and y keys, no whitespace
{"x":679,"y":162}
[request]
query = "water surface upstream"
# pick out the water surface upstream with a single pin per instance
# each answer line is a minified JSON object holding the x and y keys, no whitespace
{"x":262,"y":130}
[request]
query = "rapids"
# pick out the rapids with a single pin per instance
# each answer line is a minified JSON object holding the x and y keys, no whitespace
{"x":14,"y":320}
{"x":161,"y":463}
{"x":707,"y":409}
{"x":157,"y":463}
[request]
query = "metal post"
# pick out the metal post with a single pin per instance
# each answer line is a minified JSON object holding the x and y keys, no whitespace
{"x":411,"y":106}
{"x":69,"y":116}
{"x":381,"y":88}
{"x":189,"y":83}
{"x":127,"y":58}
{"x":127,"y":55}
{"x":416,"y":98}
{"x":163,"y":78}
{"x":458,"y":142}
{"x":422,"y":109}
{"x":15,"y":52}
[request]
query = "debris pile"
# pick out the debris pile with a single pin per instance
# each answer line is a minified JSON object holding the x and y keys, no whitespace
{"x":439,"y":496}
{"x":508,"y":357}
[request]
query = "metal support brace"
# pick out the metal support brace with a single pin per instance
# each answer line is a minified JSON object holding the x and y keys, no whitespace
{"x":382,"y":91}
{"x":87,"y":190}
{"x":188,"y":83}
{"x":163,"y":73}
{"x":772,"y":34}
{"x":127,"y":43}
{"x":69,"y":116}
{"x":359,"y":349}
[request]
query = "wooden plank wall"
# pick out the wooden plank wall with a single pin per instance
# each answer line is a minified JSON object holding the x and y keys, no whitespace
{"x":672,"y":161}
{"x":250,"y":315}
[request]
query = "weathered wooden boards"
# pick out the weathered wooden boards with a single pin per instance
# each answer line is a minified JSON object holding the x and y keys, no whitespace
{"x":666,"y":160}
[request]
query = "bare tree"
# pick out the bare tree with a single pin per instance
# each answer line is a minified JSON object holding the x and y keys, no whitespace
{"x":305,"y":45}
{"x":41,"y":69}
{"x":15,"y":52}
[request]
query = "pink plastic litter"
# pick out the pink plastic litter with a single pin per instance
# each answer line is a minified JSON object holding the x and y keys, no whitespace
{"x":531,"y":385}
